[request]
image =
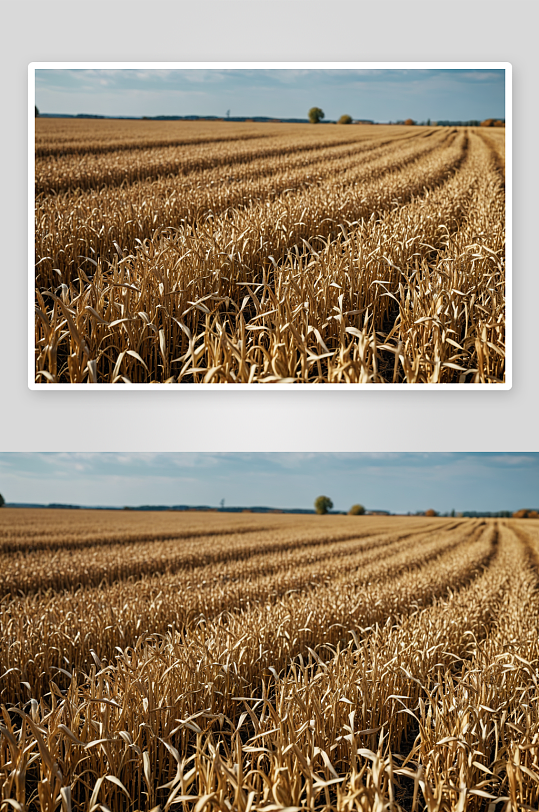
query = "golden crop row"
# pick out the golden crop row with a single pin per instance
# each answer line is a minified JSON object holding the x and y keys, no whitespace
{"x":71,"y":568}
{"x":434,"y":709}
{"x":311,"y":331}
{"x":74,"y":137}
{"x":91,"y":171}
{"x":75,"y":225}
{"x":36,"y":527}
{"x":441,"y":260}
{"x":63,"y":137}
{"x":497,"y":141}
{"x":436,"y":712}
{"x":48,"y":529}
{"x":193,"y":257}
{"x":47,"y":628}
{"x":375,"y":261}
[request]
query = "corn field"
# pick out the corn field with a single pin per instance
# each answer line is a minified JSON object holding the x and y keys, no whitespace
{"x":219,"y":252}
{"x":254,"y":663}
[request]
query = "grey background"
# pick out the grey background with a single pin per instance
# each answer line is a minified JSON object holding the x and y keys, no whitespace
{"x":274,"y":419}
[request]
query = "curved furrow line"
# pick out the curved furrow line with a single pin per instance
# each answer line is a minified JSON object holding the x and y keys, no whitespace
{"x":96,"y":564}
{"x":268,"y":705}
{"x":489,"y":707}
{"x":88,"y":171}
{"x":90,"y":222}
{"x":60,"y":527}
{"x":25,"y":545}
{"x":51,"y":628}
{"x":372,"y":253}
{"x":192,"y":252}
{"x":378,"y":252}
{"x":367,"y":682}
{"x":50,"y":565}
{"x":497,"y":144}
{"x":468,"y":280}
{"x":58,"y":147}
{"x":55,"y":144}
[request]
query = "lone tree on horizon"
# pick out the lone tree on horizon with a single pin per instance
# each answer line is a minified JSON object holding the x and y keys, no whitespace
{"x":322,"y":504}
{"x":37,"y":111}
{"x":346,"y":119}
{"x":2,"y":501}
{"x":356,"y":510}
{"x":315,"y":115}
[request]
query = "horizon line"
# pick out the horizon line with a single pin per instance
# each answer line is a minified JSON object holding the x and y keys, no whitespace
{"x":269,"y":119}
{"x":255,"y":509}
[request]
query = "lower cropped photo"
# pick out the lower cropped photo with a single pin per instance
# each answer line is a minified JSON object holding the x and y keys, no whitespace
{"x":269,"y":631}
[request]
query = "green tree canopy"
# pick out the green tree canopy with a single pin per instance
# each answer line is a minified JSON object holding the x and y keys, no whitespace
{"x":322,"y":504}
{"x":2,"y":501}
{"x":356,"y":510}
{"x":346,"y":119}
{"x":315,"y":115}
{"x":37,"y":111}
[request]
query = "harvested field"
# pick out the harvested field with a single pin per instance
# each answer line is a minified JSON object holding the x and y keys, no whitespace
{"x":210,"y":661}
{"x":220,"y":252}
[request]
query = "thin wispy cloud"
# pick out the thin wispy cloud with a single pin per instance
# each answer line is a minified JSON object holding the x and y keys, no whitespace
{"x":377,"y":94}
{"x":399,"y":482}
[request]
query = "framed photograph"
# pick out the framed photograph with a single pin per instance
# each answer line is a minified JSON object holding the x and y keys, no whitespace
{"x":337,"y":225}
{"x":338,"y":626}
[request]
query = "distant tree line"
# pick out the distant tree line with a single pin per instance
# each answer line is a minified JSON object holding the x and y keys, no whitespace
{"x":526,"y":514}
{"x":472,"y":122}
{"x":489,"y":122}
{"x":474,"y":514}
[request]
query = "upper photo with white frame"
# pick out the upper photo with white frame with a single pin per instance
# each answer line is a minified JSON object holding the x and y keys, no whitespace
{"x":340,"y":225}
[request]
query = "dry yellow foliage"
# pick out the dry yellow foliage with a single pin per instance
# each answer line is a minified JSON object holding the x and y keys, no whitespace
{"x":264,"y":662}
{"x":216,"y":252}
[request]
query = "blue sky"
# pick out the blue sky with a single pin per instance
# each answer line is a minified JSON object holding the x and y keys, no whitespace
{"x":377,"y":94}
{"x":399,"y":482}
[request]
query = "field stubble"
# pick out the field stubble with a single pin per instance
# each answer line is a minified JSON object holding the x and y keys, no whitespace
{"x":298,"y":255}
{"x":279,"y":662}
